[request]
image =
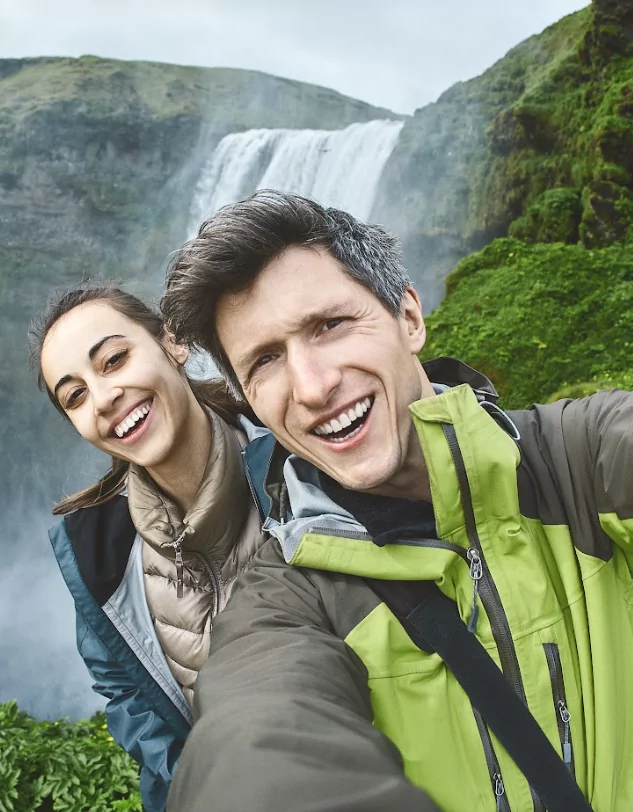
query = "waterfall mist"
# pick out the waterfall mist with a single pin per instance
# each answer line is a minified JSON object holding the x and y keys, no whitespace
{"x":39,"y":661}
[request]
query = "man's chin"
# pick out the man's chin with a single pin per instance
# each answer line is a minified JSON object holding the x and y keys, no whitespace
{"x":358,"y":480}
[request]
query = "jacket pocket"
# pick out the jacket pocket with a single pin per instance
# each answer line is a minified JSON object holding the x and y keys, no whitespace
{"x":560,"y":703}
{"x":494,"y":772}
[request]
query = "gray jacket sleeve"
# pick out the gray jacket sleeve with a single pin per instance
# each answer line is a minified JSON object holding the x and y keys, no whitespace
{"x":598,"y":436}
{"x":284,"y":719}
{"x":580,"y":456}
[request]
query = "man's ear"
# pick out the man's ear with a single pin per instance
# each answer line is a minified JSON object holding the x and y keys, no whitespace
{"x":412,"y":314}
{"x":179,"y":352}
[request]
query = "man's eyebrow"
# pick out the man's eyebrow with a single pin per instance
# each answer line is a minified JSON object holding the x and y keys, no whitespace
{"x":323,"y":314}
{"x":91,"y":354}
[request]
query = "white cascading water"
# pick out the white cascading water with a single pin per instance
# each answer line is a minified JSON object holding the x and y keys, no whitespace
{"x":338,"y":168}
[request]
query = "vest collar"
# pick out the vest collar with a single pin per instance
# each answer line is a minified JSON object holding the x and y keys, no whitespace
{"x":214,"y":520}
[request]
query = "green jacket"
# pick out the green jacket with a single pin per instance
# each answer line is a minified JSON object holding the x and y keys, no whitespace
{"x":312,"y":678}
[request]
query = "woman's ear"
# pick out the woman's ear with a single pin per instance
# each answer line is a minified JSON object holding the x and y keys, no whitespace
{"x":179,"y":352}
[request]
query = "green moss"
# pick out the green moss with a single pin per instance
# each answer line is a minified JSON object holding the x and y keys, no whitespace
{"x":571,"y":127}
{"x":554,"y":217}
{"x":585,"y":388}
{"x":539,"y":318}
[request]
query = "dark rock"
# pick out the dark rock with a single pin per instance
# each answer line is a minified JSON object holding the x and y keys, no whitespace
{"x":603,"y":219}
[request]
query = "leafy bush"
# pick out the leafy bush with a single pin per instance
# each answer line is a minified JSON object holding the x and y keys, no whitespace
{"x":70,"y":767}
{"x":539,"y":319}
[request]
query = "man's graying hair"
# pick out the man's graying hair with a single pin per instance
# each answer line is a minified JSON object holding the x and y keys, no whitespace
{"x":234,"y":245}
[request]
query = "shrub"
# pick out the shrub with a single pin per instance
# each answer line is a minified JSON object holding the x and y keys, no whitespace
{"x":63,"y":766}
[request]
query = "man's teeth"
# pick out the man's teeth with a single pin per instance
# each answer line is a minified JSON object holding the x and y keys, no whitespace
{"x":344,"y":419}
{"x":131,"y":420}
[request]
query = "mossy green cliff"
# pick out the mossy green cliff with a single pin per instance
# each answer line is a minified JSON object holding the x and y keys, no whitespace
{"x":548,"y":311}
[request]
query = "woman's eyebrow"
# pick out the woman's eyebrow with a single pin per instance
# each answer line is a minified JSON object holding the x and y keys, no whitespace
{"x":96,"y":347}
{"x":91,"y":354}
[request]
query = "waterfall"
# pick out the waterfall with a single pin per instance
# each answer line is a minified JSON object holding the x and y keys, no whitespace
{"x":338,"y":168}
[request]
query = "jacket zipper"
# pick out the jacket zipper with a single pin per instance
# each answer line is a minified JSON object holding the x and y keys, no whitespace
{"x":563,"y":716}
{"x":209,"y":568}
{"x":471,"y":556}
{"x":212,"y":571}
{"x":176,"y":544}
{"x":251,"y":487}
{"x":486,"y":586}
{"x":493,"y":765}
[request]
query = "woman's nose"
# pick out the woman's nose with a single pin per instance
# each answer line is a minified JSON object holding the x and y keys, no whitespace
{"x":104,"y":396}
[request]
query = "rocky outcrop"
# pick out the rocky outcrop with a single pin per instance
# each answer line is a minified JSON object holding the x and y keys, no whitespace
{"x":449,"y":188}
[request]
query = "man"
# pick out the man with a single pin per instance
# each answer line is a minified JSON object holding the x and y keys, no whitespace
{"x":387,"y":471}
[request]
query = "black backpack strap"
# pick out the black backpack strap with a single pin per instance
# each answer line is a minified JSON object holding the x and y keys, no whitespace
{"x":433,"y":624}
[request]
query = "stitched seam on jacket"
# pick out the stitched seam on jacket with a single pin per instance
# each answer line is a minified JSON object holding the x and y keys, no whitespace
{"x":180,"y":629}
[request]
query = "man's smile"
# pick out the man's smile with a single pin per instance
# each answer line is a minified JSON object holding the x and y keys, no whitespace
{"x":347,"y":423}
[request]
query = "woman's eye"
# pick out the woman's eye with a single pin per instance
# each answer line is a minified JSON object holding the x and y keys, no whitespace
{"x":113,"y":360}
{"x":73,"y":398}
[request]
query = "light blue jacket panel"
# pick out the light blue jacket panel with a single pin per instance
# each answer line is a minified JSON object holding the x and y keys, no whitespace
{"x":146,"y":712}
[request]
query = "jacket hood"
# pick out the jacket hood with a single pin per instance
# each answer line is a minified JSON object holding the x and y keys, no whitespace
{"x":213,"y":522}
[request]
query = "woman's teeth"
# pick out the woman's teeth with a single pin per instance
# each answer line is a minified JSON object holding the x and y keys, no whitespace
{"x":345,"y":419}
{"x":131,"y":420}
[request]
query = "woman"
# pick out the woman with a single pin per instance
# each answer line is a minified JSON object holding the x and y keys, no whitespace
{"x":147,"y":570}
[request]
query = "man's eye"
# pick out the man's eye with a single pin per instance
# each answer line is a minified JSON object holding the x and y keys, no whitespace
{"x":113,"y":360}
{"x":261,"y":362}
{"x":330,"y":324}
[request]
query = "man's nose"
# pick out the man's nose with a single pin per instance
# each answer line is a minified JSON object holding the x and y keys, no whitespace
{"x":314,"y":377}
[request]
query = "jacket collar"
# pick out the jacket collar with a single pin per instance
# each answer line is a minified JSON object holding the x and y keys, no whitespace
{"x":213,"y":522}
{"x":300,"y":506}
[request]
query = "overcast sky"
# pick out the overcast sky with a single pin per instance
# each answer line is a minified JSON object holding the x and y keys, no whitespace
{"x":399,"y":54}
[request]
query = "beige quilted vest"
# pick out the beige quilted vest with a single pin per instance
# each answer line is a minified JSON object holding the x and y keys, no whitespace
{"x":188,"y":583}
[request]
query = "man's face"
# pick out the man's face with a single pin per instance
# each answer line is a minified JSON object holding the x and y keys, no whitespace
{"x":328,"y":368}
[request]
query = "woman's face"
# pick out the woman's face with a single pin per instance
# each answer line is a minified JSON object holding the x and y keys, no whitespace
{"x":117,"y":384}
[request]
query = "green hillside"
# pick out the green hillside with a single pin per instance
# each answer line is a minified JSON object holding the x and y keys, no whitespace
{"x":548,"y":311}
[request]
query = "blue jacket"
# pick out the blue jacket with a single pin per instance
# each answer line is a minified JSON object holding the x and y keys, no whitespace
{"x":100,"y":556}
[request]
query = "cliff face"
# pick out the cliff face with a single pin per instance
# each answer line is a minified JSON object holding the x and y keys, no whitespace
{"x":443,"y":189}
{"x":98,"y":157}
{"x":548,"y":312}
{"x":98,"y":161}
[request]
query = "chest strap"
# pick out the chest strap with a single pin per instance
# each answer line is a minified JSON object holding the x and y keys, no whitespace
{"x":433,"y":623}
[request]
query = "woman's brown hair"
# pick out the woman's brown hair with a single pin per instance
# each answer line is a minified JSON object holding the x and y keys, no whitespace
{"x":211,"y":393}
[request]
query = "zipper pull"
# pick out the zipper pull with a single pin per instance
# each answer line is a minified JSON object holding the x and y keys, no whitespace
{"x":179,"y":565}
{"x":565,"y":715}
{"x":476,"y":571}
{"x":499,"y":788}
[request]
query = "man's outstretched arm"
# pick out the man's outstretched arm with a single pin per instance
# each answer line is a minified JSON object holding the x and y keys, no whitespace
{"x":284,"y":719}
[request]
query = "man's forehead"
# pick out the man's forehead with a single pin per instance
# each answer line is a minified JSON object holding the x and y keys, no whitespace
{"x":291,"y":304}
{"x":247,"y":330}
